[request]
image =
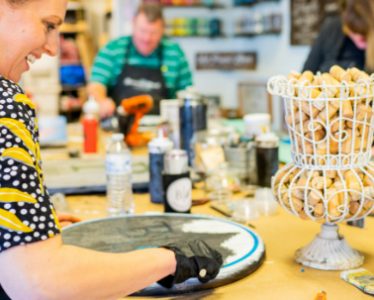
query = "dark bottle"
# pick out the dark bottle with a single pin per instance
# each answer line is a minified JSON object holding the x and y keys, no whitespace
{"x":176,"y":182}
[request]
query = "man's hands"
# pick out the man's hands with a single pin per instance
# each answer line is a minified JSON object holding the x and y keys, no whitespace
{"x":106,"y":107}
{"x":194,"y":259}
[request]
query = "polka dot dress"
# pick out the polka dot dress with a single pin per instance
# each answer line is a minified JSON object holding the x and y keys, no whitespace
{"x":26,"y":214}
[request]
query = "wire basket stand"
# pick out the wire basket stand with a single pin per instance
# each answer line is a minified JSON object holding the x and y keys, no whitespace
{"x":331,"y":178}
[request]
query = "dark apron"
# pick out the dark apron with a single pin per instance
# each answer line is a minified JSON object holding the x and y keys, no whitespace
{"x":136,"y":80}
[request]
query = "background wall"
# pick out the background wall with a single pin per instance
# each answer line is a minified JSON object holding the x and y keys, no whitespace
{"x":275,"y":54}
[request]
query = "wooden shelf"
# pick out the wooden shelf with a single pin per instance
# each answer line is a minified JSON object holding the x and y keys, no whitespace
{"x":69,"y":87}
{"x":75,"y":5}
{"x":198,"y":36}
{"x":214,"y":6}
{"x":249,"y":35}
{"x":255,"y":3}
{"x":79,"y":27}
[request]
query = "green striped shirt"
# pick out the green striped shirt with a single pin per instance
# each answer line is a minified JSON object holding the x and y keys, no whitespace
{"x":110,"y":60}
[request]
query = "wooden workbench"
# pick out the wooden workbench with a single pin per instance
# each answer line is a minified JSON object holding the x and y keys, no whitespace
{"x":279,"y":277}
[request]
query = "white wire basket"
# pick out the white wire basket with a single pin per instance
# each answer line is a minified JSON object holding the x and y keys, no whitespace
{"x":325,"y":196}
{"x":329,"y":197}
{"x":331,"y":126}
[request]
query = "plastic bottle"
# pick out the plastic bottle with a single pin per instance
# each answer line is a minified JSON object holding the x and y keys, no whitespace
{"x":90,"y":125}
{"x":118,"y":174}
{"x":157,"y":149}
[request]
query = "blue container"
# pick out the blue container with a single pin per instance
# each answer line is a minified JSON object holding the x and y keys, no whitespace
{"x":193,"y":118}
{"x":157,"y":149}
{"x":72,"y":75}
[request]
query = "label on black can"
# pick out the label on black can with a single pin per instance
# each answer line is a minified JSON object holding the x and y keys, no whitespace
{"x":179,"y":194}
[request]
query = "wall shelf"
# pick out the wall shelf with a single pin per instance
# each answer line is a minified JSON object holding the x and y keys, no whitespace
{"x":198,"y":36}
{"x":79,"y":27}
{"x":250,"y":35}
{"x":214,"y":6}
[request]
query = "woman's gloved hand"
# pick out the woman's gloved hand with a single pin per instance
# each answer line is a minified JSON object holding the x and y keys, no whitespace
{"x":194,"y":259}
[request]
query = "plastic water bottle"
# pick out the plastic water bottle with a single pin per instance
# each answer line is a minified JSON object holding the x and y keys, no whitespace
{"x":118,"y":174}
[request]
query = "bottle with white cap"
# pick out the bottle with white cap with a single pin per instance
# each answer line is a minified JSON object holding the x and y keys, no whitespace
{"x":118,"y":174}
{"x":157,"y":149}
{"x":266,"y":157}
{"x":177,"y":183}
{"x":90,"y":125}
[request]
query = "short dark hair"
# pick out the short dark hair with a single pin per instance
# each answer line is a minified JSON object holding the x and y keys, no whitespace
{"x":152,"y":11}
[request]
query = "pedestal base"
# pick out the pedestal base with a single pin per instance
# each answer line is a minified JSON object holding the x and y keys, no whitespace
{"x":329,"y":251}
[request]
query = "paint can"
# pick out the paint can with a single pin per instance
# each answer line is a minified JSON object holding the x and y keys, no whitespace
{"x":193,"y":120}
{"x":176,"y":182}
{"x":266,"y":158}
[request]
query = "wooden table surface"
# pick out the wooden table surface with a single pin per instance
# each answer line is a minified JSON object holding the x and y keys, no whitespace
{"x":279,"y":277}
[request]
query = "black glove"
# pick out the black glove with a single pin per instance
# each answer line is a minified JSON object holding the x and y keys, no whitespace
{"x":194,"y":259}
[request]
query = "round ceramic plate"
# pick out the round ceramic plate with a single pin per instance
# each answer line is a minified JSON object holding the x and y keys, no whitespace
{"x":242,"y":249}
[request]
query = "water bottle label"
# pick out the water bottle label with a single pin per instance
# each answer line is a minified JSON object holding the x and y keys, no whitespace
{"x":118,"y":164}
{"x":179,"y":194}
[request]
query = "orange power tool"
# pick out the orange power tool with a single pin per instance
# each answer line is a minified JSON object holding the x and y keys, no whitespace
{"x":135,"y":108}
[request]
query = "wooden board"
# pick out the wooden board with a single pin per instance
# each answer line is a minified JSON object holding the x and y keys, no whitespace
{"x":307,"y":17}
{"x":242,"y":249}
{"x":226,"y":60}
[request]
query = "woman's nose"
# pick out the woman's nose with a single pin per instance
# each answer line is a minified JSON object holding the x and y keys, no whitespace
{"x":51,"y":45}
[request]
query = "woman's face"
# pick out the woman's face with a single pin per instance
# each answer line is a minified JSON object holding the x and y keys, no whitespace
{"x":358,"y":39}
{"x":26,"y":32}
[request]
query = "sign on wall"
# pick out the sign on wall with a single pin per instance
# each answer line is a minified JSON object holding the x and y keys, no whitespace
{"x":307,"y":17}
{"x":226,"y":60}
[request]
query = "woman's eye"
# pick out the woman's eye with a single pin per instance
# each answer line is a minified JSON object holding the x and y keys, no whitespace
{"x":50,"y":27}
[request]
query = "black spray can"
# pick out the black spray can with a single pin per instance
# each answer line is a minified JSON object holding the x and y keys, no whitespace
{"x":177,"y":183}
{"x":266,"y":158}
{"x":193,"y":119}
{"x":157,"y":149}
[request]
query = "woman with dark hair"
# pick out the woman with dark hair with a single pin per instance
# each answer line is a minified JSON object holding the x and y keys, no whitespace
{"x":34,"y":263}
{"x":346,"y":40}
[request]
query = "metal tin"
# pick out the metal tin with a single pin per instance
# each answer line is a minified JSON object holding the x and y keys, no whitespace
{"x":193,"y":118}
{"x":175,"y":162}
{"x":176,"y":182}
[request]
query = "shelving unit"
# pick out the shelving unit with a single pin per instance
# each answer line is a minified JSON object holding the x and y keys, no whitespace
{"x":269,"y":45}
{"x":77,"y":53}
{"x":251,"y":24}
